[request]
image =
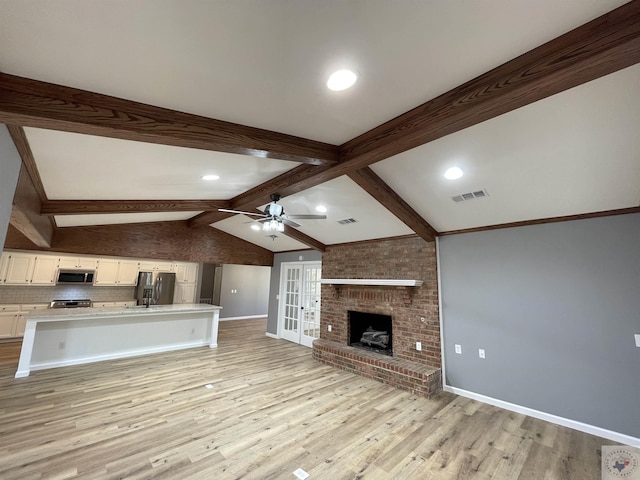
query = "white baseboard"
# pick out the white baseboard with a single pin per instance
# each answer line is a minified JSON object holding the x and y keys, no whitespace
{"x":565,"y":422}
{"x":272,"y":335}
{"x":114,"y":356}
{"x":248,"y":317}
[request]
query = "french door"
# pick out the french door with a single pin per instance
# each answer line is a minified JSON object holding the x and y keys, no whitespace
{"x":299,"y":314}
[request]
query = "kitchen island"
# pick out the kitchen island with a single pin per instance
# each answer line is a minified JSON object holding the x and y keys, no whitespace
{"x":58,"y":338}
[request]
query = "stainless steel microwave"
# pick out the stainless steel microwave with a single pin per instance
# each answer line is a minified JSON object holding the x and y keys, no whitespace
{"x":76,"y":276}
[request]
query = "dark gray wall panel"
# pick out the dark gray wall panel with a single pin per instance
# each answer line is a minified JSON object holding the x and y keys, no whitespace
{"x":556,"y":307}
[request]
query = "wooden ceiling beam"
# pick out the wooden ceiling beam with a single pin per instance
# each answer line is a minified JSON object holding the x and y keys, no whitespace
{"x":304,"y":238}
{"x":388,"y":198}
{"x":84,"y":207}
{"x":601,"y":47}
{"x":25,"y":214}
{"x":33,"y":103}
{"x":24,"y":150}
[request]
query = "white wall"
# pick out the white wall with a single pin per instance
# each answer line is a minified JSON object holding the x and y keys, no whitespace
{"x":9,"y":170}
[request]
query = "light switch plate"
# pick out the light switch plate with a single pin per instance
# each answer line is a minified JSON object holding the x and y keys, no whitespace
{"x":419,"y":346}
{"x":458,"y":349}
{"x":637,"y":335}
{"x":481,"y":352}
{"x":329,"y":328}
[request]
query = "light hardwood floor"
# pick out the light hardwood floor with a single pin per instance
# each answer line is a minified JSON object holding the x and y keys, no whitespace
{"x":270,"y":411}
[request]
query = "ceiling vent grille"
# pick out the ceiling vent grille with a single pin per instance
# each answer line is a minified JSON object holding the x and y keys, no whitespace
{"x":347,"y":221}
{"x":470,"y":196}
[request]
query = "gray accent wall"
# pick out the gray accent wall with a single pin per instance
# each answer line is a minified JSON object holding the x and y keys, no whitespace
{"x":250,"y":286}
{"x":10,"y":163}
{"x":274,"y":283}
{"x":555,"y":307}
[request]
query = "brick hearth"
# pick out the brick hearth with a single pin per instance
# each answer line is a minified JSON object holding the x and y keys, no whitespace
{"x":414,"y":312}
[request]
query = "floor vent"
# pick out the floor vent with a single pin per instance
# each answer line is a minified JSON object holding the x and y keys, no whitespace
{"x":470,"y":196}
{"x":347,"y":221}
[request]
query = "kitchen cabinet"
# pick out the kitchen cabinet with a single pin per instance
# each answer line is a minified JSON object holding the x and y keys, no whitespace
{"x":186,"y":272}
{"x":4,"y":260}
{"x":8,"y":322}
{"x":79,"y":263}
{"x":44,"y":270}
{"x":154,"y":266}
{"x":116,"y":272}
{"x":21,"y":320}
{"x":19,"y":268}
{"x":184,"y":293}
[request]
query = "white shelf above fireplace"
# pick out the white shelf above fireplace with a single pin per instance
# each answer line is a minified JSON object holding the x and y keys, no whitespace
{"x":371,"y":281}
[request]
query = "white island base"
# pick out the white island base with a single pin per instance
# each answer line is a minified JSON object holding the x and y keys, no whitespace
{"x":63,"y":337}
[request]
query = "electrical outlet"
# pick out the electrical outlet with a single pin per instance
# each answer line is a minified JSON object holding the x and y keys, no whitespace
{"x":329,"y":328}
{"x":193,"y":330}
{"x":458,"y":349}
{"x":481,"y":352}
{"x":423,"y":320}
{"x":61,"y":345}
{"x":419,"y":346}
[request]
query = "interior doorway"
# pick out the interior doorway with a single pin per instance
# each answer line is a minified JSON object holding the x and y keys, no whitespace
{"x":299,"y":307}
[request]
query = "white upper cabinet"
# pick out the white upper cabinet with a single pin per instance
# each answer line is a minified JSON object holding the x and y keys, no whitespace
{"x":79,"y":263}
{"x":116,"y":272}
{"x":128,"y":272}
{"x":19,"y":269}
{"x":44,"y":270}
{"x":186,"y":272}
{"x":155,"y":266}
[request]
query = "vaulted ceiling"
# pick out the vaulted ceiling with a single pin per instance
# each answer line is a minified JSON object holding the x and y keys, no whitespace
{"x":119,"y":109}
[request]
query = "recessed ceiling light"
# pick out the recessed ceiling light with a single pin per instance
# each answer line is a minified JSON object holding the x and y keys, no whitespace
{"x":211,"y":177}
{"x":321,"y":209}
{"x":341,"y":80}
{"x":256,"y":227}
{"x":453,"y":173}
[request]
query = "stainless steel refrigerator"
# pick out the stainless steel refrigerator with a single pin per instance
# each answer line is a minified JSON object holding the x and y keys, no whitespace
{"x":155,"y":288}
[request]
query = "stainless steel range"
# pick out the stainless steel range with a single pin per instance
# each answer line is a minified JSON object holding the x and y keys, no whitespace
{"x":71,"y":303}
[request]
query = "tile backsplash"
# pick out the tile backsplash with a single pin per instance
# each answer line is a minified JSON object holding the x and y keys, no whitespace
{"x":20,"y":294}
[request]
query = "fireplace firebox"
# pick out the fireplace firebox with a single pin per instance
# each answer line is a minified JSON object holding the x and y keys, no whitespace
{"x":371,"y":331}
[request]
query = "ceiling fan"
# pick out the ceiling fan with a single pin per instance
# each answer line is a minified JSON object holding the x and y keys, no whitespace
{"x":274,"y":219}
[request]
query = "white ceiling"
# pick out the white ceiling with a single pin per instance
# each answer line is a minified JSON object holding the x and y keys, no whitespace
{"x":264,"y":64}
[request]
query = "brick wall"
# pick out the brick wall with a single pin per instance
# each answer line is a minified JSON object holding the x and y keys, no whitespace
{"x":157,"y":240}
{"x":406,"y":258}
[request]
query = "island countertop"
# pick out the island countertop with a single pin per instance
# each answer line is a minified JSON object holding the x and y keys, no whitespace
{"x":72,"y":336}
{"x":65,"y":314}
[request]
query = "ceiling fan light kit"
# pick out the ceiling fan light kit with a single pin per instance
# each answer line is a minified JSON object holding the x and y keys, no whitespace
{"x":274,"y":219}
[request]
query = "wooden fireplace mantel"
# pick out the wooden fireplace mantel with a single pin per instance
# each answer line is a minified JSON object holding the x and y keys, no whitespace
{"x":371,"y":281}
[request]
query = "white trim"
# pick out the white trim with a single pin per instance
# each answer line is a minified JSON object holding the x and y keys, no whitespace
{"x":565,"y":422}
{"x":115,"y":356}
{"x":371,"y":281}
{"x":443,"y":373}
{"x":247,"y":317}
{"x":272,"y":335}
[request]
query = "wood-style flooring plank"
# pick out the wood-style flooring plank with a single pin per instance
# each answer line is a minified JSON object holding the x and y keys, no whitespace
{"x":271,"y":410}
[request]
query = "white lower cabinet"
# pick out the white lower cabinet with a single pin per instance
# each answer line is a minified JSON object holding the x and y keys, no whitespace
{"x":185,"y":293}
{"x":8,"y":322}
{"x":13,"y":318}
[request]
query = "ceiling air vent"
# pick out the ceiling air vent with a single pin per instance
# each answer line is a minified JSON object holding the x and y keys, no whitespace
{"x":347,"y":221}
{"x":470,"y":196}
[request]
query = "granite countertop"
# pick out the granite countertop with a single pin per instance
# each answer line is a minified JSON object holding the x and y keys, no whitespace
{"x":71,"y":313}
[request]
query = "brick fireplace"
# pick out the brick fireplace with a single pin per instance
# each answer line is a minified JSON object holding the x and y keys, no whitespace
{"x":414,"y":311}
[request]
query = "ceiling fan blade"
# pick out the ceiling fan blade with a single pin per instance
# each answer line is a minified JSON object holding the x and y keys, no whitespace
{"x":307,"y":217}
{"x":241,"y":212}
{"x":286,"y":221}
